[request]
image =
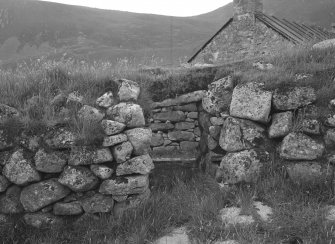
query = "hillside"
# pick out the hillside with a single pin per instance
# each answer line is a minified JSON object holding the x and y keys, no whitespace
{"x":31,"y":28}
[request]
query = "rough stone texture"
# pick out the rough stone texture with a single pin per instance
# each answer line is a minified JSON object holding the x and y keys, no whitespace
{"x":89,"y":155}
{"x":215,"y":131}
{"x":71,"y":208}
{"x":330,"y":121}
{"x":122,"y":152}
{"x":264,"y":212}
{"x":325,"y":44}
{"x":297,"y":146}
{"x":125,"y":185}
{"x":181,"y":136}
{"x":114,"y":140}
{"x":88,"y":113}
{"x":309,"y":172}
{"x":183,"y":99}
{"x":78,"y":178}
{"x":101,"y":171}
{"x":238,"y":134}
{"x":106,"y":100}
{"x":157,"y":140}
{"x":161,"y":127}
{"x":128,"y":91}
{"x":127,"y":113}
{"x":172,"y":116}
{"x":7,"y":112}
{"x":250,"y":101}
{"x":20,"y":170}
{"x":293,"y":98}
{"x":232,"y":216}
{"x":60,"y":139}
{"x":39,"y":195}
{"x":74,"y":98}
{"x":189,"y":146}
{"x":244,"y":166}
{"x":49,"y":162}
{"x":10,"y":201}
{"x":42,"y":220}
{"x":138,"y":165}
{"x":217,"y":121}
{"x":5,"y":142}
{"x":191,"y":107}
{"x":311,"y":126}
{"x":98,"y":204}
{"x":140,"y":139}
{"x":184,"y":125}
{"x":193,"y":115}
{"x":112,"y":127}
{"x":330,"y":137}
{"x":218,"y":96}
{"x":4,"y":183}
{"x":177,"y":236}
{"x":281,"y":124}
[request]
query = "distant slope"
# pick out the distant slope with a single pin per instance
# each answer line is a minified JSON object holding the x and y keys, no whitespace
{"x":31,"y":28}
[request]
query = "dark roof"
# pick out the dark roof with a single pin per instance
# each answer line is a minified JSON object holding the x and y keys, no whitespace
{"x":290,"y":30}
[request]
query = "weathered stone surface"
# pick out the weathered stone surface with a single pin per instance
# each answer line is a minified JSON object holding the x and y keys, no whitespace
{"x":233,"y":216}
{"x":106,"y":100}
{"x":214,"y":131}
{"x":250,"y":101}
{"x":311,"y":126}
{"x":297,"y":146}
{"x":238,"y":134}
{"x":5,"y":142}
{"x":191,"y":107}
{"x":189,"y":146}
{"x":157,"y":140}
{"x":20,"y":170}
{"x":325,"y":44}
{"x":193,"y":115}
{"x":98,"y":204}
{"x":219,"y":95}
{"x":264,"y":212}
{"x":127,"y":113}
{"x":122,"y":152}
{"x":78,"y":178}
{"x":10,"y":201}
{"x":217,"y":121}
{"x":49,"y":162}
{"x":183,"y":99}
{"x":138,"y":165}
{"x":184,"y":125}
{"x":330,"y":121}
{"x":36,"y":196}
{"x":89,"y":155}
{"x":244,"y":166}
{"x":60,"y":139}
{"x":4,"y":183}
{"x":282,"y":124}
{"x":181,"y":136}
{"x":125,"y":185}
{"x":128,"y":90}
{"x":7,"y":112}
{"x":101,"y":171}
{"x":71,"y":208}
{"x":114,"y":140}
{"x":330,"y":137}
{"x":42,"y":220}
{"x":177,"y":236}
{"x":172,"y":116}
{"x":309,"y":172}
{"x":112,"y":127}
{"x":75,"y":98}
{"x":140,"y":139}
{"x":88,"y":113}
{"x":161,"y":127}
{"x":293,"y":98}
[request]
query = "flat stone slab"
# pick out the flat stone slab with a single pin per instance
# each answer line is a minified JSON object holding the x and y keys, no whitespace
{"x":183,"y":99}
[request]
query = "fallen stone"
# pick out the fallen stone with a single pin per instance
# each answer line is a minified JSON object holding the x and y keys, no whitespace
{"x":177,"y":236}
{"x":161,"y":127}
{"x":232,"y":216}
{"x":112,"y":127}
{"x":114,"y":140}
{"x":184,"y":125}
{"x":101,"y":171}
{"x":71,"y":208}
{"x":39,"y":195}
{"x":49,"y":162}
{"x":157,"y":140}
{"x":189,"y":146}
{"x":10,"y":201}
{"x":20,"y":170}
{"x":7,"y":112}
{"x":106,"y":100}
{"x":125,"y":185}
{"x":181,"y":136}
{"x":330,"y":43}
{"x":297,"y":146}
{"x":81,"y":155}
{"x":263,"y":66}
{"x":293,"y":98}
{"x":98,"y":204}
{"x":250,"y":101}
{"x":138,"y":165}
{"x":78,"y":178}
{"x":264,"y":212}
{"x":122,"y":152}
{"x":4,"y":183}
{"x":42,"y":220}
{"x":60,"y":139}
{"x":219,"y":95}
{"x":192,"y":97}
{"x":88,"y":113}
{"x":127,"y":113}
{"x":140,"y":139}
{"x":128,"y":90}
{"x":172,"y":116}
{"x":282,"y":124}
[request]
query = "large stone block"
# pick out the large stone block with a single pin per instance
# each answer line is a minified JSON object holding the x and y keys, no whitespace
{"x":138,"y":165}
{"x":140,"y":139}
{"x":172,"y":116}
{"x":60,"y":139}
{"x":157,"y":140}
{"x":293,"y":98}
{"x":101,"y":171}
{"x":114,"y":140}
{"x":106,"y":100}
{"x":67,"y":209}
{"x":122,"y":152}
{"x":282,"y":124}
{"x":192,"y":97}
{"x":184,"y":125}
{"x":128,"y":90}
{"x":112,"y":127}
{"x":83,"y":155}
{"x":50,"y":162}
{"x":250,"y":101}
{"x":88,"y":113}
{"x":127,"y":113}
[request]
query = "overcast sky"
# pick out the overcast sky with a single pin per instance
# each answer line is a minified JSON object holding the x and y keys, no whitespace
{"x":163,"y":7}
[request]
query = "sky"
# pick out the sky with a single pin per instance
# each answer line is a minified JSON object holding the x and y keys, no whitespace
{"x":161,"y":7}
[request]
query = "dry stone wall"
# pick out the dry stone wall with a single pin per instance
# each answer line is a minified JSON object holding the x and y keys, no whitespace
{"x":48,"y":176}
